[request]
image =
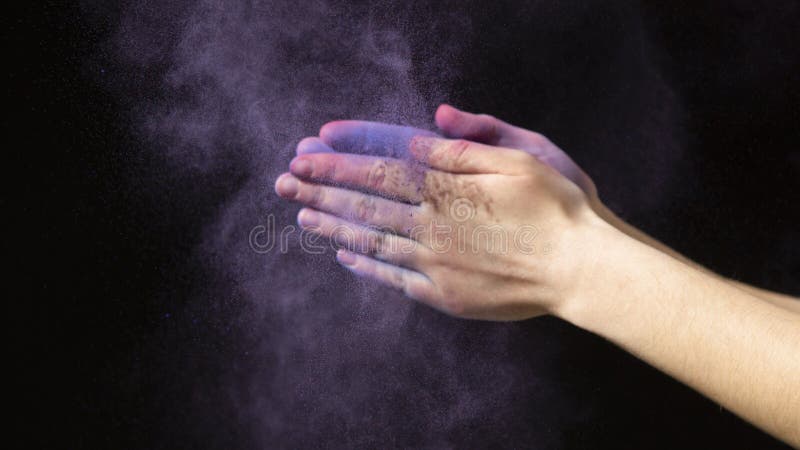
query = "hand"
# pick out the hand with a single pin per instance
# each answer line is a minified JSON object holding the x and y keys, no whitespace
{"x":473,"y":230}
{"x":486,"y":129}
{"x":683,"y":320}
{"x":388,"y":140}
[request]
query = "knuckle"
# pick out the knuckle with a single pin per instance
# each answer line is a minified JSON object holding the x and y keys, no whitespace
{"x":316,"y":195}
{"x":458,"y":146}
{"x":376,"y":175}
{"x":330,"y":167}
{"x":457,"y":151}
{"x":365,"y":208}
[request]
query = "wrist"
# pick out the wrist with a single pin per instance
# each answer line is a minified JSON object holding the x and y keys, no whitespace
{"x":581,"y":259}
{"x":618,"y":281}
{"x":611,"y":274}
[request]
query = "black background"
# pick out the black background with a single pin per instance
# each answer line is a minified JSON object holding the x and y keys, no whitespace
{"x":94,"y":258}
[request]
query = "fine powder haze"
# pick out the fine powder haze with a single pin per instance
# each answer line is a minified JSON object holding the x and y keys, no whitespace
{"x":285,"y":348}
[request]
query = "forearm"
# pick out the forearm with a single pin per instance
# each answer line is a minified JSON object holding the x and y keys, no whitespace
{"x":718,"y":339}
{"x":784,"y":301}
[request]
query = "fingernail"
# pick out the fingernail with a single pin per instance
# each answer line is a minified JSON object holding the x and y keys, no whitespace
{"x":345,"y":257}
{"x":287,"y":186}
{"x":307,"y":218}
{"x":301,"y":167}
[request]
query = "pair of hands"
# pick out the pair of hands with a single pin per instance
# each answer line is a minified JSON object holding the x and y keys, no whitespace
{"x":495,"y":222}
{"x":488,"y":223}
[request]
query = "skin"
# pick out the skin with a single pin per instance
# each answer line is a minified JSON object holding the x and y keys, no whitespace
{"x":416,"y":217}
{"x":489,"y":130}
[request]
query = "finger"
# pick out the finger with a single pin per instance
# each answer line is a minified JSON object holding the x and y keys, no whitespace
{"x":312,"y":145}
{"x":386,"y":247}
{"x":455,"y":123}
{"x":411,"y":283}
{"x":370,"y":138}
{"x":486,"y":129}
{"x":389,"y":177}
{"x":362,"y":208}
{"x":462,"y":156}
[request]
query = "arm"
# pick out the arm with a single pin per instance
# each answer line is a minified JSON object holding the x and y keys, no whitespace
{"x":716,"y":338}
{"x":489,"y":130}
{"x":570,"y":262}
{"x":780,"y":300}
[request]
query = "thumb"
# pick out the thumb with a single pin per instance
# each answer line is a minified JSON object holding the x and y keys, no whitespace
{"x":482,"y":128}
{"x":490,"y":130}
{"x":462,"y":156}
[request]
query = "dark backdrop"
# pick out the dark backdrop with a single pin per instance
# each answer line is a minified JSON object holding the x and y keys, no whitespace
{"x":96,"y":258}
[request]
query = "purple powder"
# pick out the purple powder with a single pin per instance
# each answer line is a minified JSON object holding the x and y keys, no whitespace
{"x":321,"y":356}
